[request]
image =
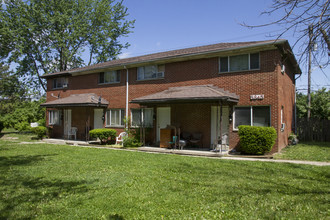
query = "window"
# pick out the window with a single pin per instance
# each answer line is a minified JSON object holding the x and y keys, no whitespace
{"x":239,"y":62}
{"x":61,"y":82}
{"x":110,"y":77}
{"x":142,"y":117}
{"x":252,"y":115}
{"x":150,"y":72}
{"x":54,"y":117}
{"x":115,"y":117}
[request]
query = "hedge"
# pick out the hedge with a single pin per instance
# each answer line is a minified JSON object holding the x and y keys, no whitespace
{"x":105,"y":135}
{"x":256,"y":140}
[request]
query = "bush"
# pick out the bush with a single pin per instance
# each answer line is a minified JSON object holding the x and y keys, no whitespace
{"x":256,"y":140}
{"x":40,"y":131}
{"x":130,"y":142}
{"x":22,"y":126}
{"x":105,"y":135}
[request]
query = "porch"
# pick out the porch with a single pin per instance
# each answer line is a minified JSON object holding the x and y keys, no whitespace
{"x":74,"y":116}
{"x":199,"y":115}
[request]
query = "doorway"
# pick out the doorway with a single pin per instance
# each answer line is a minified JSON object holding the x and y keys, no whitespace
{"x":215,"y":123}
{"x":163,"y":119}
{"x":98,"y":121}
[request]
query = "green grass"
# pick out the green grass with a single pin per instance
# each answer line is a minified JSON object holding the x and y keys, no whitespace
{"x":312,"y":151}
{"x":66,"y":182}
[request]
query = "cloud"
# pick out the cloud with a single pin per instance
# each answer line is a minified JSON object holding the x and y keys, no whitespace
{"x":158,"y":44}
{"x":124,"y":55}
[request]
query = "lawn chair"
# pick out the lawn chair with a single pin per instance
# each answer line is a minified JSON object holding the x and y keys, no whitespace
{"x":73,"y":132}
{"x":120,"y":138}
{"x":196,"y":139}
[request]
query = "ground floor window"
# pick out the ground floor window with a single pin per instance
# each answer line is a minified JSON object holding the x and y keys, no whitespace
{"x":53,"y":117}
{"x":115,"y":117}
{"x":252,"y":115}
{"x":142,"y":117}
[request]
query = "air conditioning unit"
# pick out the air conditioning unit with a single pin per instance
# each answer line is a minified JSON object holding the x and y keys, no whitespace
{"x":282,"y":68}
{"x":160,"y":75}
{"x":282,"y":126}
{"x":65,"y":85}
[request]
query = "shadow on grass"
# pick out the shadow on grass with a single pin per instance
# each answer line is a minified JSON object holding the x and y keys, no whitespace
{"x":24,"y":193}
{"x":115,"y":217}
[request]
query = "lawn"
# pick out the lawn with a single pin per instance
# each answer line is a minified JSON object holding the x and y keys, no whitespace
{"x":313,"y":151}
{"x":68,"y":182}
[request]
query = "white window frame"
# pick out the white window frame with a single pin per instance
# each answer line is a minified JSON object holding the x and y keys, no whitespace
{"x":115,"y":72}
{"x":108,"y":117}
{"x":158,"y":75}
{"x":64,"y":83}
{"x":228,"y":60}
{"x":142,"y":116}
{"x":251,"y":115}
{"x":54,"y":117}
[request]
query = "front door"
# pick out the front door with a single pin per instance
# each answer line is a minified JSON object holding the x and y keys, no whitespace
{"x":98,"y":121}
{"x":67,"y":122}
{"x":215,"y":123}
{"x":163,"y":119}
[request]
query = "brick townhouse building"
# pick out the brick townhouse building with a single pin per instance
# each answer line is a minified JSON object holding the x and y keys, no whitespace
{"x":208,"y":90}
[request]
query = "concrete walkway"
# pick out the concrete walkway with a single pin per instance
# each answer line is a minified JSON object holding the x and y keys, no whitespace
{"x":194,"y":153}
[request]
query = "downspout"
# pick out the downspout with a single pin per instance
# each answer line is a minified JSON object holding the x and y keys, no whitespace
{"x":126,"y":110}
{"x":295,"y":110}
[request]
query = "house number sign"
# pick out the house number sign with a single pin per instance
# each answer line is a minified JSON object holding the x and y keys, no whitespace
{"x":257,"y":97}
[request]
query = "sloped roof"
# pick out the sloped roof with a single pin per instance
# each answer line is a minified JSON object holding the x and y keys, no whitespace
{"x":87,"y":99}
{"x":189,"y":93}
{"x":168,"y":55}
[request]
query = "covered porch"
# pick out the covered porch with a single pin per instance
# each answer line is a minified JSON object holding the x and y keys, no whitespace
{"x":200,"y":115}
{"x":74,"y":116}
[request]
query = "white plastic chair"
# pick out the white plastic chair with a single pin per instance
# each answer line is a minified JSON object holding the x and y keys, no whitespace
{"x":120,"y":138}
{"x":73,"y":132}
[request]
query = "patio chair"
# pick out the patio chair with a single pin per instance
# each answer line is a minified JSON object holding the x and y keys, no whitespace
{"x":120,"y":138}
{"x":173,"y":142}
{"x":73,"y":132}
{"x":196,"y":138}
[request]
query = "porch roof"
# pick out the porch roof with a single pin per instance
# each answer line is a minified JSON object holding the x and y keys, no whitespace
{"x":80,"y":100}
{"x":189,"y":93}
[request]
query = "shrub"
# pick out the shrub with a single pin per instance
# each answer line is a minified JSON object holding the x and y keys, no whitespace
{"x":105,"y":135}
{"x":256,"y":140}
{"x":130,"y":142}
{"x":22,"y":126}
{"x":40,"y":131}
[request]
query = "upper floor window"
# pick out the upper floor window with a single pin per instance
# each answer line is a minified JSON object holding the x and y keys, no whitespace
{"x":239,"y":62}
{"x":150,"y":72}
{"x":59,"y":83}
{"x":110,"y":77}
{"x":142,"y":117}
{"x":252,"y":115}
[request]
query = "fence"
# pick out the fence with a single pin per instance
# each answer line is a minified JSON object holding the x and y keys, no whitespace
{"x":313,"y":130}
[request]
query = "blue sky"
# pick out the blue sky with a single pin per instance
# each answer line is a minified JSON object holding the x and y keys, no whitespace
{"x":163,"y":25}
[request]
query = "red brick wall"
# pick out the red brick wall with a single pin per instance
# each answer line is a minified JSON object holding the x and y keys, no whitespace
{"x":267,"y":81}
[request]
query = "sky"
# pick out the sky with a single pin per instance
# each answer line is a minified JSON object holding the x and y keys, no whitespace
{"x":163,"y":25}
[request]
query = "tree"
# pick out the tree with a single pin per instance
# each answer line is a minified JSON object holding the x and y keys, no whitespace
{"x":45,"y":36}
{"x":298,"y":16}
{"x":10,"y":86}
{"x":320,"y":106}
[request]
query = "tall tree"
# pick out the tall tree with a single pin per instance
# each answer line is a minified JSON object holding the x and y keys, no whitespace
{"x":45,"y":36}
{"x":299,"y":16}
{"x":320,"y":106}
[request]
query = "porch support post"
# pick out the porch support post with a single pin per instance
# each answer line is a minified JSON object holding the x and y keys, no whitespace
{"x":220,"y":126}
